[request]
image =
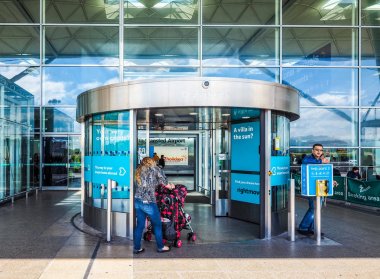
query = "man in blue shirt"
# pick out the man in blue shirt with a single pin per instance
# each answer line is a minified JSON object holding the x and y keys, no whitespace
{"x":306,"y":226}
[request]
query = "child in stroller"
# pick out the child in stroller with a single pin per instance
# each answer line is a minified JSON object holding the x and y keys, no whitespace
{"x":170,"y":203}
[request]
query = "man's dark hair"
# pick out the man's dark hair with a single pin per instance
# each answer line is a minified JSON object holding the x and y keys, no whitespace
{"x":355,"y":168}
{"x":317,"y":144}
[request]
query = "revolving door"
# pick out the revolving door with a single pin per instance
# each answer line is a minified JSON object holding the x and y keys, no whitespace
{"x":232,"y":135}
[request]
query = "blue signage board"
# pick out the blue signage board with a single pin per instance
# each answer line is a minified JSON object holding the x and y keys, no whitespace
{"x":317,"y":176}
{"x":280,"y":168}
{"x":245,"y":187}
{"x":245,"y":142}
{"x":116,"y":139}
{"x":98,"y":169}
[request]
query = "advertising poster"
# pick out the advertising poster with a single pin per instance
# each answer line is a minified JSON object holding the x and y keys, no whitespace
{"x":174,"y":155}
{"x":245,"y":142}
{"x":245,"y":188}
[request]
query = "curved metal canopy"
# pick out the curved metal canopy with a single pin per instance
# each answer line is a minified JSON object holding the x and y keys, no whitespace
{"x":189,"y":92}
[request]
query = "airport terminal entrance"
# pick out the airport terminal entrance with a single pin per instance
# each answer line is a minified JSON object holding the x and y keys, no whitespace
{"x":231,"y":152}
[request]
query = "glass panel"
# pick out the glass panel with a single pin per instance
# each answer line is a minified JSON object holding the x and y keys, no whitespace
{"x":266,"y":74}
{"x":23,"y":83}
{"x":324,"y":86}
{"x":78,"y":11}
{"x":81,"y":45}
{"x":19,"y":45}
{"x":249,"y":46}
{"x":161,"y":46}
{"x":370,"y":12}
{"x":370,"y":95}
{"x":74,"y":177}
{"x":329,"y":12}
{"x":161,"y":72}
{"x":37,"y":125}
{"x":279,"y":161}
{"x":343,"y":159}
{"x":21,"y":11}
{"x":62,"y":85}
{"x":330,"y":127}
{"x":55,"y":161}
{"x":370,"y":46}
{"x":161,"y":12}
{"x":35,"y":177}
{"x":371,"y":163}
{"x":60,"y":120}
{"x":240,"y":12}
{"x":320,"y":46}
{"x":370,"y":127}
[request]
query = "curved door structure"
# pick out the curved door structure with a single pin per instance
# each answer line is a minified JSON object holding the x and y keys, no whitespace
{"x":226,"y":134}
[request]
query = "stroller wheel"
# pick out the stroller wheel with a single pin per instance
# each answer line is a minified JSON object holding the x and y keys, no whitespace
{"x":178,"y":243}
{"x":147,"y":236}
{"x":194,"y":237}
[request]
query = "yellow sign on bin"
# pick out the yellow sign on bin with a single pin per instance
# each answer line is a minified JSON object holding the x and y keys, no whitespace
{"x":322,"y":187}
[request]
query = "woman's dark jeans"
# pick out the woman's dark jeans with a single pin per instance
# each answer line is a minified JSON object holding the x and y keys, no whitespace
{"x":142,"y":211}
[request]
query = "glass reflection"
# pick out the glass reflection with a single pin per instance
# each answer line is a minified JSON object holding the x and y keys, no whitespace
{"x":324,"y":86}
{"x":21,"y":11}
{"x":240,"y":12}
{"x":370,"y":46}
{"x":62,"y":85}
{"x":330,"y":12}
{"x":81,"y":45}
{"x":159,"y":72}
{"x":265,"y":74}
{"x":19,"y":45}
{"x":370,"y":95}
{"x":371,"y":163}
{"x":161,"y":12}
{"x":249,"y":46}
{"x":330,"y":127}
{"x":23,"y":82}
{"x":320,"y":46}
{"x":78,"y":11}
{"x":370,"y":12}
{"x":370,"y":127}
{"x":55,"y":159}
{"x":74,"y":152}
{"x":161,"y":46}
{"x":60,"y":120}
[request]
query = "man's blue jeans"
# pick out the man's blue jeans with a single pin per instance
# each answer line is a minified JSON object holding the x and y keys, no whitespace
{"x":142,"y":211}
{"x":307,"y":223}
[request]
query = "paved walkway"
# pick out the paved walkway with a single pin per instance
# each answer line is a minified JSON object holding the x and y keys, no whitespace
{"x":38,"y":240}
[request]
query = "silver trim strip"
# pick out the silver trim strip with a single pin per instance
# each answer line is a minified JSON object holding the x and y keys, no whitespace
{"x":189,"y":92}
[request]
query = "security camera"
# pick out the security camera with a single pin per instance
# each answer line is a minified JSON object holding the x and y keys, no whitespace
{"x":205,"y":84}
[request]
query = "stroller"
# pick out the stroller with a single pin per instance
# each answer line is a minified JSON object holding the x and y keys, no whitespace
{"x":170,"y":203}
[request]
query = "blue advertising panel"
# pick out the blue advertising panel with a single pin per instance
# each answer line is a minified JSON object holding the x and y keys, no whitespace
{"x":280,"y":168}
{"x":116,"y":139}
{"x":96,"y":140}
{"x":315,"y":176}
{"x":245,"y":187}
{"x":103,"y":168}
{"x":245,"y":142}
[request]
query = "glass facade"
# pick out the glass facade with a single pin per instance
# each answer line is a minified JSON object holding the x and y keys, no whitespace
{"x":50,"y":51}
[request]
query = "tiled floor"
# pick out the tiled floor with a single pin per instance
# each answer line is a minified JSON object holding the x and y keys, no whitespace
{"x":38,"y":240}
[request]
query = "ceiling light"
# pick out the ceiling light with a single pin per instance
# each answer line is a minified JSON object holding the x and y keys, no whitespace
{"x":193,"y":113}
{"x":245,"y":117}
{"x":159,"y":114}
{"x":225,"y":114}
